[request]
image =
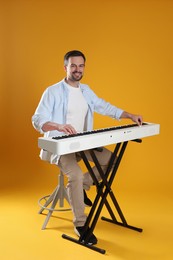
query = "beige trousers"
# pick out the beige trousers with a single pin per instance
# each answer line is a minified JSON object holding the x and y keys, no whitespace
{"x":77,"y":181}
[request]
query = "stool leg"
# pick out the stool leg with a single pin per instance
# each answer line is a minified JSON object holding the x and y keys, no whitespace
{"x":51,"y":209}
{"x":60,"y":194}
{"x":48,"y":201}
{"x":62,"y":191}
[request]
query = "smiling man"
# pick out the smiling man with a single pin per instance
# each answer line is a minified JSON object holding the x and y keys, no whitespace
{"x":68,"y":108}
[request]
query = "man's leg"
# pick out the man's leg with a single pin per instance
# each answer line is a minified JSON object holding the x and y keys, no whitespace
{"x":69,"y":166}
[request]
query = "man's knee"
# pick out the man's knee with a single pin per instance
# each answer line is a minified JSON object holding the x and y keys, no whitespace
{"x":76,"y":176}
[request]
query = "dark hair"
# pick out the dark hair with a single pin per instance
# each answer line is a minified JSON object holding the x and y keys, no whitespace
{"x":73,"y":53}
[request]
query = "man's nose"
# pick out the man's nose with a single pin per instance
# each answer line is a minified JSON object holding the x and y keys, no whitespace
{"x":77,"y":68}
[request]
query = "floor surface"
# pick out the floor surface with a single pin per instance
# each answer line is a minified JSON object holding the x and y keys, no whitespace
{"x":23,"y":239}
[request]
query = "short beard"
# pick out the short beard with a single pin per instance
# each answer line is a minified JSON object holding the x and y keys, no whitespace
{"x":76,"y":79}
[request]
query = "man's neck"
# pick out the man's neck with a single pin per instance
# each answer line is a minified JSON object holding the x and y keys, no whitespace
{"x":72,"y":83}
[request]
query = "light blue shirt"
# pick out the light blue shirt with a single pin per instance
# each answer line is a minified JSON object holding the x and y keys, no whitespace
{"x":53,"y":108}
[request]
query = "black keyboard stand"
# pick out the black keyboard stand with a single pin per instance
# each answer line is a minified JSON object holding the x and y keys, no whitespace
{"x":103,"y":189}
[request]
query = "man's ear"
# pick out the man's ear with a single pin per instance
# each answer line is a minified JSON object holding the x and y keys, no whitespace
{"x":65,"y":68}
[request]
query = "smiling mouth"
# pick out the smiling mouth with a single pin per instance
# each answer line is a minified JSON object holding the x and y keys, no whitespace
{"x":77,"y":74}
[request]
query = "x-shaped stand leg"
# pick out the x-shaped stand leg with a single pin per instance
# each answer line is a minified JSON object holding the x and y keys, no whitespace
{"x":103,"y":189}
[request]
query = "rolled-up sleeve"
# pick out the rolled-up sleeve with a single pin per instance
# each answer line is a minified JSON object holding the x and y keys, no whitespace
{"x":43,"y":111}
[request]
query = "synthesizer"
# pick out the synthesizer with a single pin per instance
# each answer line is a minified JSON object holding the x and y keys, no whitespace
{"x":66,"y":144}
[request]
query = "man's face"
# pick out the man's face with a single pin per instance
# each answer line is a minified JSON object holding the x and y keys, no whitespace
{"x":75,"y":68}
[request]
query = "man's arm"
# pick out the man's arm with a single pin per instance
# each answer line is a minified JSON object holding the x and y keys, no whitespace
{"x":135,"y":118}
{"x":66,"y":128}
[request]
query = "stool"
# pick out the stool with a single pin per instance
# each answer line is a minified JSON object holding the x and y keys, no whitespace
{"x":60,"y":194}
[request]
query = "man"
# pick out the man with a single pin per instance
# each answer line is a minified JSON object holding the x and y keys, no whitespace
{"x":67,"y":108}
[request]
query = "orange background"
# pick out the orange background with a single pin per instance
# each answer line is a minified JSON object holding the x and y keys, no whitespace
{"x":128,"y":45}
{"x":129,"y":50}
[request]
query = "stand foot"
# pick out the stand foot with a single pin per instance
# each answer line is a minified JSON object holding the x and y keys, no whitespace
{"x":77,"y":241}
{"x":122,"y":224}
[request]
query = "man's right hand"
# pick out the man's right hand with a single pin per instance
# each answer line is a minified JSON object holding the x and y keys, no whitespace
{"x":65,"y":128}
{"x":68,"y":129}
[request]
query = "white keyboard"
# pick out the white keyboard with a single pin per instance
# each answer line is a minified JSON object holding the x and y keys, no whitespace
{"x":102,"y":137}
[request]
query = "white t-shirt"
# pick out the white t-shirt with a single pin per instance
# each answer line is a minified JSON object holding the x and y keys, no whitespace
{"x":77,"y":109}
